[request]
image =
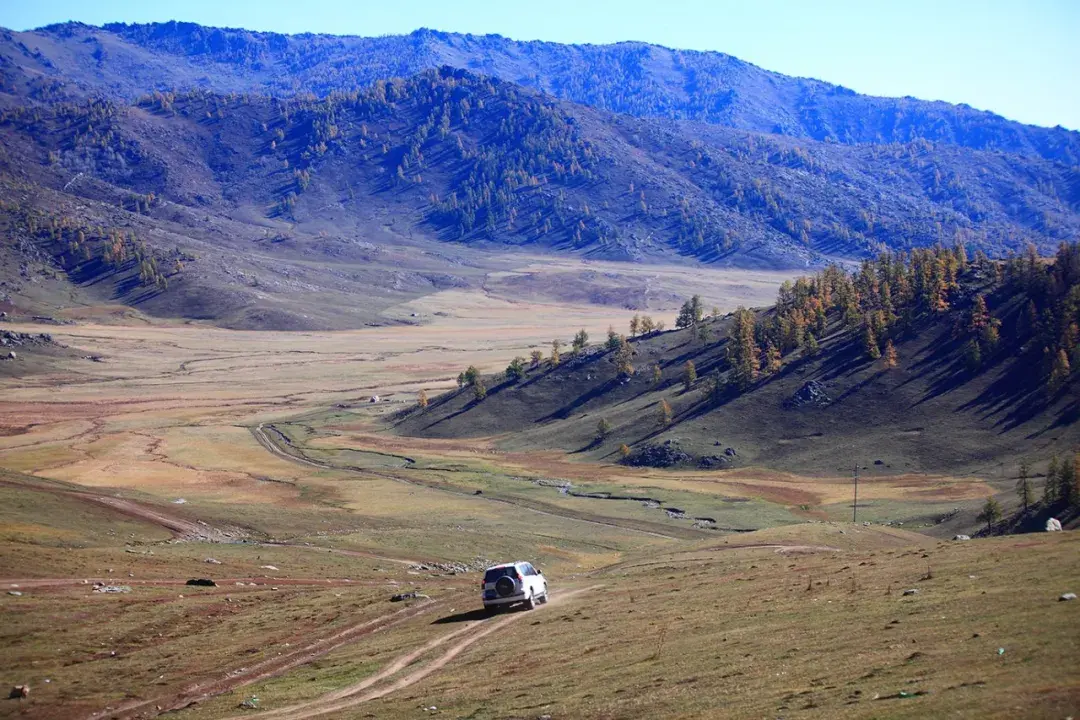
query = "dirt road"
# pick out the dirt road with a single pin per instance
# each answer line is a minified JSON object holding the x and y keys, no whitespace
{"x":267,"y":440}
{"x":370,"y":689}
{"x":271,"y":667}
{"x":182,"y":527}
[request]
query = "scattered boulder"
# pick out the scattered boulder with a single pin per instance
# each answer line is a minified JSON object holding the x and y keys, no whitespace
{"x":212,"y":561}
{"x":811,"y":394}
{"x":374,"y":399}
{"x":879,"y":462}
{"x":1053,"y":525}
{"x":11,"y":355}
{"x":730,"y":452}
{"x":962,"y":537}
{"x":911,"y":591}
{"x":1067,"y":596}
{"x":202,"y":582}
{"x":714,"y":462}
{"x":252,"y":703}
{"x":267,"y":567}
{"x":19,"y":691}
{"x":16,"y":593}
{"x":660,"y":455}
{"x":400,"y":597}
{"x":102,"y":588}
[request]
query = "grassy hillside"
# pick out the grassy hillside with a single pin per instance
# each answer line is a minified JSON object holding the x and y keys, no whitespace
{"x":926,"y":364}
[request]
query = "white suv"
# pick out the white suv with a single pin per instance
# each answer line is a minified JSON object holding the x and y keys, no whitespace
{"x":511,"y":583}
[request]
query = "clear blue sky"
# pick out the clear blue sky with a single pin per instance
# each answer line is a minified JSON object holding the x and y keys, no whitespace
{"x":1020,"y":59}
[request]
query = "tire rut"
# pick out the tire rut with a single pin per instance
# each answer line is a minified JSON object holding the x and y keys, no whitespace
{"x":354,"y":695}
{"x":271,"y":667}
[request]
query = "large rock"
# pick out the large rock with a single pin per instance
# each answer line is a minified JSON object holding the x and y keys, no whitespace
{"x":811,"y":394}
{"x":1053,"y":525}
{"x":661,"y":455}
{"x":19,"y":691}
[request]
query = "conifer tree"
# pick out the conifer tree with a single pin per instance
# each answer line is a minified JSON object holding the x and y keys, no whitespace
{"x":689,"y":375}
{"x":870,"y":342}
{"x":536,"y":357}
{"x":773,"y":359}
{"x":890,"y":355}
{"x":603,"y":429}
{"x":743,"y":350}
{"x":624,"y":450}
{"x":1023,"y":484}
{"x":1050,"y":489}
{"x":657,"y":374}
{"x":1060,"y":372}
{"x":991,"y":513}
{"x":515,"y":371}
{"x":973,"y":355}
{"x":556,"y":357}
{"x":635,"y":325}
{"x":581,"y":340}
{"x":624,"y":359}
{"x":612,"y":339}
{"x":1066,"y":481}
{"x":479,"y":389}
{"x":665,"y":414}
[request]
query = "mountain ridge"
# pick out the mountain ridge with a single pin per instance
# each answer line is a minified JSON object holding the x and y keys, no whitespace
{"x":630,"y":77}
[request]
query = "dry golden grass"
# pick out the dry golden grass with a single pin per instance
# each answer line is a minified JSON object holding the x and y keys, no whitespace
{"x":688,"y":628}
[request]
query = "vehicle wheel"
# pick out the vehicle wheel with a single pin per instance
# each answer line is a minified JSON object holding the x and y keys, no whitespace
{"x":530,"y":603}
{"x":544,"y":598}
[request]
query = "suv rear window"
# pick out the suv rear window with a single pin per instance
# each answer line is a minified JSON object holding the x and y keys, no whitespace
{"x":495,"y":573}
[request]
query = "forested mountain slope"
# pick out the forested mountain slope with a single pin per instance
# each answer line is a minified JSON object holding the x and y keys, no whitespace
{"x":634,"y":78}
{"x":476,"y":160}
{"x":124,"y":187}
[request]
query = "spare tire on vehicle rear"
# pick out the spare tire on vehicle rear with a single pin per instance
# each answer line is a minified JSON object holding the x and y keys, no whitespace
{"x":504,"y":586}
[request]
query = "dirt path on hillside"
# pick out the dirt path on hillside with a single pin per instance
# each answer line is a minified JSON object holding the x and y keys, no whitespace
{"x":354,"y":695}
{"x":271,"y":667}
{"x":183,"y":528}
{"x":265,"y":439}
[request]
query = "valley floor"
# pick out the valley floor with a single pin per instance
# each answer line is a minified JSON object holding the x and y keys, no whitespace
{"x":256,"y":460}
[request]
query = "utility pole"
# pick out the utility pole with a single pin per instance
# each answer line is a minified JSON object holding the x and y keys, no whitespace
{"x":855,"y":504}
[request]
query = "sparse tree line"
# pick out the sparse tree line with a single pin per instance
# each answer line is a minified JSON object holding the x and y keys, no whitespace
{"x":76,"y":243}
{"x":883,"y":299}
{"x":1061,"y":490}
{"x":880,"y":301}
